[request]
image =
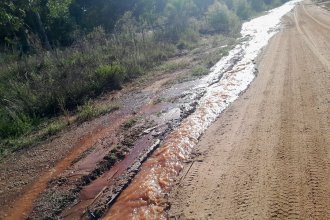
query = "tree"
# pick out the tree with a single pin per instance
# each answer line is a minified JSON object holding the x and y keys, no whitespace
{"x":242,"y":9}
{"x":177,"y":13}
{"x":11,"y":22}
{"x":257,"y":5}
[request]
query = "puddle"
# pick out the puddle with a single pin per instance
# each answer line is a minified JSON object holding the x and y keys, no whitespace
{"x":145,"y":197}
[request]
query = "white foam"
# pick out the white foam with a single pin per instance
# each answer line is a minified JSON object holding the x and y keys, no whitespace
{"x":257,"y":33}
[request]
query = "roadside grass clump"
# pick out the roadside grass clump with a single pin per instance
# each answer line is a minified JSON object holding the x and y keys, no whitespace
{"x":111,"y":76}
{"x":199,"y":71}
{"x":130,"y":123}
{"x":42,"y":132}
{"x":172,"y":66}
{"x":90,"y":110}
{"x":50,"y":127}
{"x":54,"y":128}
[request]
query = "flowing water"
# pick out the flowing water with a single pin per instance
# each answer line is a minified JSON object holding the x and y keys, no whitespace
{"x":145,"y":197}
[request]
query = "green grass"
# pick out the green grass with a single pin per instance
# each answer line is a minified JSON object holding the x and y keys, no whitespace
{"x":51,"y":127}
{"x":172,"y":66}
{"x":89,"y":111}
{"x":200,"y":71}
{"x":43,"y":132}
{"x":130,"y":123}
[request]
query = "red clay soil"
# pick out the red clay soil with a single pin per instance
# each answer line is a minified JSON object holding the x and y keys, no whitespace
{"x":24,"y":204}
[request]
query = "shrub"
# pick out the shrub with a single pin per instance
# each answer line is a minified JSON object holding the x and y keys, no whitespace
{"x":12,"y":124}
{"x":111,"y":76}
{"x":54,"y":128}
{"x":90,"y":110}
{"x":221,"y":19}
{"x":200,"y":71}
{"x":242,"y":9}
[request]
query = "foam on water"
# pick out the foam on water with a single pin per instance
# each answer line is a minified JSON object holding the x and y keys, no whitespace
{"x":145,"y":197}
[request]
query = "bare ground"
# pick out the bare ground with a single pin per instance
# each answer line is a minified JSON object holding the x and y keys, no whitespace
{"x":268,"y":155}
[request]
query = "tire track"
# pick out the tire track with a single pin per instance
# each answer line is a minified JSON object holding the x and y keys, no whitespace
{"x":315,"y":141}
{"x":311,"y":44}
{"x":248,"y":183}
{"x":314,"y":19}
{"x":283,"y":201}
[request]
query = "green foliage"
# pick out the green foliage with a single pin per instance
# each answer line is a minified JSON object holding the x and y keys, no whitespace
{"x":113,"y":75}
{"x":54,"y":128}
{"x":200,"y":71}
{"x":58,"y":8}
{"x":90,"y":110}
{"x":242,"y":9}
{"x":14,"y":124}
{"x":172,"y":66}
{"x":10,"y":16}
{"x":257,"y":5}
{"x":130,"y":123}
{"x":327,"y":5}
{"x":221,"y":19}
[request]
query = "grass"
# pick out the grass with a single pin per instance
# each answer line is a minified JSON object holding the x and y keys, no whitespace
{"x":208,"y":51}
{"x":199,"y":71}
{"x":172,"y":66}
{"x":41,"y":133}
{"x":130,"y":123}
{"x":90,"y":110}
{"x":50,"y":127}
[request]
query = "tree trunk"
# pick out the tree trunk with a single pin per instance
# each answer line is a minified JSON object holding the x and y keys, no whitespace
{"x":42,"y":33}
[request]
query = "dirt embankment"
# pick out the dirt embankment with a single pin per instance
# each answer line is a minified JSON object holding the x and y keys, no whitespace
{"x":268,"y":155}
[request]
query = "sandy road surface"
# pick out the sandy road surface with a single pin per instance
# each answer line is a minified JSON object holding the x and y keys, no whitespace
{"x":268,"y":155}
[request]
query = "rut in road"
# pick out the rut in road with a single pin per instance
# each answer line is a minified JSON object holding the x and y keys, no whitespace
{"x":267,"y":156}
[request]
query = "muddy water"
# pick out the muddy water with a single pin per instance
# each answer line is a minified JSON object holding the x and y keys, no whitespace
{"x":23,"y":206}
{"x":145,"y":198}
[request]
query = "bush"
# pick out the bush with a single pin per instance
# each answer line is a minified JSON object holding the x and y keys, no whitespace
{"x":13,"y":125}
{"x":111,"y":76}
{"x":200,"y":71}
{"x":90,"y":110}
{"x":220,"y":19}
{"x":242,"y":9}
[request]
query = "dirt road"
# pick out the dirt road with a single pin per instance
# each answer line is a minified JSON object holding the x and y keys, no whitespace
{"x":268,"y":155}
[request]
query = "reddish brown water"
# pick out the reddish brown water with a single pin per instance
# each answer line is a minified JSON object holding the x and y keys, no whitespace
{"x":22,"y":207}
{"x":108,"y":179}
{"x":144,"y":198}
